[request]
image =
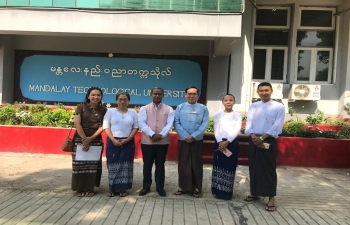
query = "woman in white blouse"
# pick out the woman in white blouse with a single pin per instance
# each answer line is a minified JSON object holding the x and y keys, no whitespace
{"x":227,"y":126}
{"x":120,"y":125}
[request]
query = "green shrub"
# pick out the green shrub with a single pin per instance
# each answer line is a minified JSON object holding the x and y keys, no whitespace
{"x":315,"y":119}
{"x":329,"y":134}
{"x":292,"y":128}
{"x":308,"y":133}
{"x":210,"y":127}
{"x":39,"y":108}
{"x":40,"y":119}
{"x":61,"y":118}
{"x":36,"y":115}
{"x":339,"y":123}
{"x":242,"y":130}
{"x":344,"y":133}
{"x":9,"y":115}
{"x":315,"y":133}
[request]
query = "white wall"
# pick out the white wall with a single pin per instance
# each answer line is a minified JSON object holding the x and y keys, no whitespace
{"x":217,"y":82}
{"x":241,"y":63}
{"x":115,"y":45}
{"x":118,"y":23}
{"x":344,"y":49}
{"x":331,"y":103}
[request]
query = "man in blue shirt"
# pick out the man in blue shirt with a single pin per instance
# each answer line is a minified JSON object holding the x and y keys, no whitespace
{"x":191,"y":121}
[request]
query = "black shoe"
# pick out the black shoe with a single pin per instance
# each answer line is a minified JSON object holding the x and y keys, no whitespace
{"x":144,"y":192}
{"x":161,"y":193}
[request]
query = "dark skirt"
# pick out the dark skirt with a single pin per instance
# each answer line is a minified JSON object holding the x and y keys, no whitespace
{"x":120,"y":165}
{"x":224,"y":171}
{"x":262,"y":168}
{"x":86,"y":174}
{"x":190,"y":165}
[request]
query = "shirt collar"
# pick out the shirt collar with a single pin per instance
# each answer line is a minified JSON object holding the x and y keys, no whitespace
{"x":155,"y":106}
{"x":269,"y":102}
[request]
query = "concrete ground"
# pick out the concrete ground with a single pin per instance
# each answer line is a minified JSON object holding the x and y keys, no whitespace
{"x":35,"y":189}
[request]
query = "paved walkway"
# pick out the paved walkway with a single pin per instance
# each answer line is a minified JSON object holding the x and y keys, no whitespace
{"x":42,"y":196}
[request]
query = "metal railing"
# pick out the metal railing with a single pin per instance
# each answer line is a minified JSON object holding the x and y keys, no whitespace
{"x":214,"y":6}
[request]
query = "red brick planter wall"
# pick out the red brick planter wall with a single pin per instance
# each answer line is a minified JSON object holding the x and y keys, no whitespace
{"x":314,"y":152}
{"x":47,"y":140}
{"x":306,"y":152}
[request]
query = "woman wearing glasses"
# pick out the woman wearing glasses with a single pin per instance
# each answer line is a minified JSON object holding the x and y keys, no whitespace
{"x":120,"y":125}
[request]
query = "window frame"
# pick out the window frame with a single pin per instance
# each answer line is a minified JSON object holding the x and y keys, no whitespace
{"x":313,"y":61}
{"x":299,"y":27}
{"x":268,"y":63}
{"x":275,"y":27}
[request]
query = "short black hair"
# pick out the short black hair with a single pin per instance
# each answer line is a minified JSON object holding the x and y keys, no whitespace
{"x":157,"y":88}
{"x":192,"y":87}
{"x":122,"y":93}
{"x":264,"y":84}
{"x":234,"y":98}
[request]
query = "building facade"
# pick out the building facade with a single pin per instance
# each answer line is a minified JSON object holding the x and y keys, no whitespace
{"x":302,"y":47}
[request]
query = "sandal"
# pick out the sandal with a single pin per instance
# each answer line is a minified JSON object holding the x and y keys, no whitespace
{"x":89,"y":193}
{"x":123,"y":194}
{"x":270,"y":208}
{"x":80,"y":194}
{"x":197,"y":194}
{"x":111,"y":194}
{"x":251,"y":198}
{"x":180,"y":192}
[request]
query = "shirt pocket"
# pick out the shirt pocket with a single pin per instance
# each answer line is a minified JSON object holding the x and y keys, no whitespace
{"x":270,"y":118}
{"x":199,"y":118}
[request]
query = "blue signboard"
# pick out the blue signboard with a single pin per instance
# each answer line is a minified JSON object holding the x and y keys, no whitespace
{"x":67,"y":78}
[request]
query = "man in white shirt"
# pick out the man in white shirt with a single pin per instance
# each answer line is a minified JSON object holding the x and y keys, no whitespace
{"x":155,"y":120}
{"x":264,"y":123}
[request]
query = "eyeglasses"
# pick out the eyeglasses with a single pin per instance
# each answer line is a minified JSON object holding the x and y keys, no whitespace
{"x":122,"y":99}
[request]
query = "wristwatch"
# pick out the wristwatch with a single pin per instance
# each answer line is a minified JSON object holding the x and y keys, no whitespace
{"x":261,"y":138}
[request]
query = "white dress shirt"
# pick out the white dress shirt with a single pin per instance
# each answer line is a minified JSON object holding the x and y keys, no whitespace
{"x":265,"y":118}
{"x":227,"y":125}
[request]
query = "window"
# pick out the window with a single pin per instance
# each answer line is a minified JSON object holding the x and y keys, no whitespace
{"x":277,"y":17}
{"x":271,"y":37}
{"x":319,"y":18}
{"x":315,"y":38}
{"x":315,"y":44}
{"x":271,"y":40}
{"x":314,"y":65}
{"x":270,"y":63}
